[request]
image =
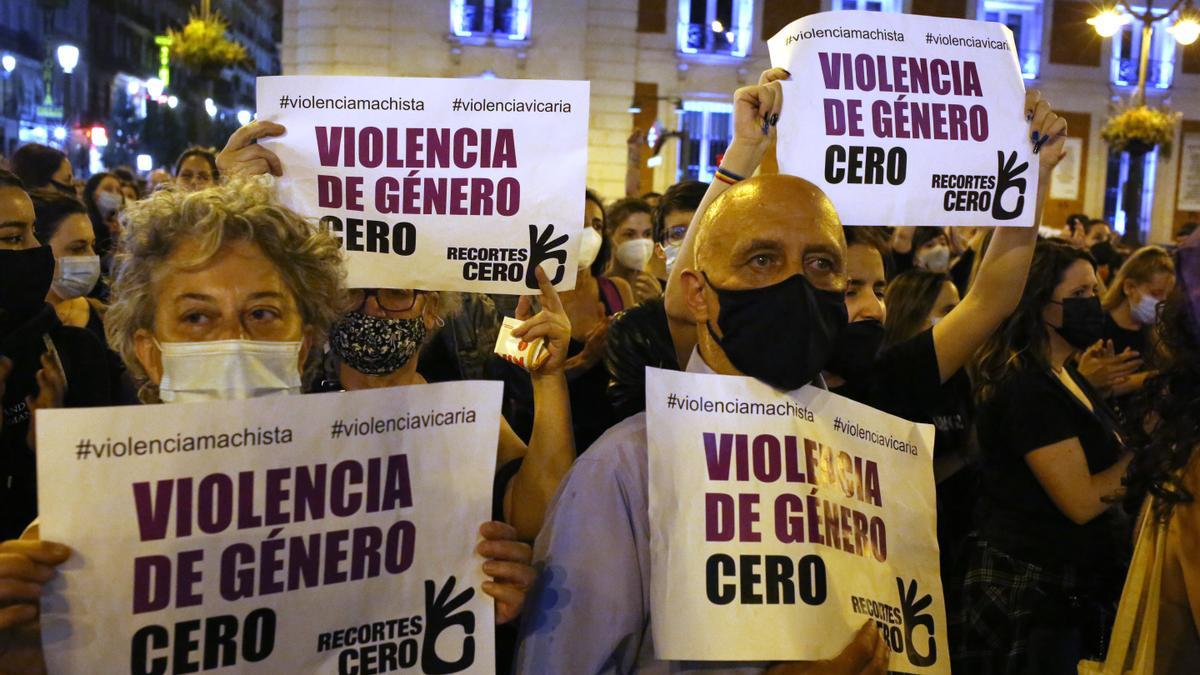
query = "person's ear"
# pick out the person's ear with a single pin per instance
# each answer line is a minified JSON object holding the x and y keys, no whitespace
{"x":429,"y":313}
{"x":148,"y":354}
{"x":1128,"y":286}
{"x":695,"y":295}
{"x":659,"y":251}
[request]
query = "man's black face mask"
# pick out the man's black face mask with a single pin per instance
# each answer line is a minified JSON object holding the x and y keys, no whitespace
{"x":782,"y":334}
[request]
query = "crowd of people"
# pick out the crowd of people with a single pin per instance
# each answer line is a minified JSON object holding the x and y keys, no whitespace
{"x":1060,"y":370}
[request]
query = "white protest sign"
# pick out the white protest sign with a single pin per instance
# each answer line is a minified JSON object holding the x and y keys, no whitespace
{"x":779,"y":523}
{"x":907,"y":120}
{"x":1189,"y":174}
{"x":1064,"y":182}
{"x":326,"y":533}
{"x":437,"y":184}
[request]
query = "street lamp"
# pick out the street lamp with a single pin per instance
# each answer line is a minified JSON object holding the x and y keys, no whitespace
{"x":1187,"y":28}
{"x":10,"y":63}
{"x":243,"y":117}
{"x":1108,"y":22}
{"x":172,"y":101}
{"x":1185,"y":31}
{"x":154,"y":87}
{"x":210,"y":107}
{"x":68,"y":57}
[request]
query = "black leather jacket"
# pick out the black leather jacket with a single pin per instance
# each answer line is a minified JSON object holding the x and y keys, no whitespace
{"x":637,"y":338}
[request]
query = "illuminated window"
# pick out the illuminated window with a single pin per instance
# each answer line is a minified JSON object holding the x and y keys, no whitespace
{"x":1127,"y":48}
{"x":505,"y":19}
{"x":1114,"y":194}
{"x":868,"y":5}
{"x":715,"y":26}
{"x":1024,"y":19}
{"x":708,"y":128}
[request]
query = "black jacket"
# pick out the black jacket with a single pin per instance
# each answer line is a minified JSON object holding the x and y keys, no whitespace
{"x":91,"y":381}
{"x":637,"y":338}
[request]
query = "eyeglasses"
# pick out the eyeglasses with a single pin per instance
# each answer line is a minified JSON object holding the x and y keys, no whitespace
{"x":676,"y":234}
{"x":389,"y":299}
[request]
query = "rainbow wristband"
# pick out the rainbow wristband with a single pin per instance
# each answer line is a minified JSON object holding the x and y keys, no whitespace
{"x":726,"y":176}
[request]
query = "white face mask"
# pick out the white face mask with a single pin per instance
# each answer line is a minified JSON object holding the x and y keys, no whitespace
{"x":635,"y":253}
{"x":109,"y":203}
{"x":228,"y":370}
{"x":76,"y":276}
{"x":671,"y":251}
{"x":936,"y":259}
{"x":589,"y":246}
{"x":1145,"y":311}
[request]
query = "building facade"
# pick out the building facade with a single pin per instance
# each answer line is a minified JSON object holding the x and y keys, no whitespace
{"x":125,"y":97}
{"x":679,"y":60}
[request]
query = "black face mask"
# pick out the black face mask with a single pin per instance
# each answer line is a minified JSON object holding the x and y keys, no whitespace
{"x":1082,"y":322}
{"x":857,"y":346}
{"x":782,"y":334}
{"x":25,"y":278}
{"x":65,"y":188}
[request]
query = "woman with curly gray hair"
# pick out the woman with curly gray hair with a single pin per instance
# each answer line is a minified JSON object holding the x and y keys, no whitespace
{"x":221,"y":293}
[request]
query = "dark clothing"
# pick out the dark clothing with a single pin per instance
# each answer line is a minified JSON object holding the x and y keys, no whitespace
{"x":1039,"y":590}
{"x":1030,"y":411}
{"x":1123,"y":338}
{"x":91,"y":381}
{"x":1021,"y":619}
{"x":905,"y":381}
{"x":638,"y":337}
{"x":461,"y":349}
{"x":960,"y":273}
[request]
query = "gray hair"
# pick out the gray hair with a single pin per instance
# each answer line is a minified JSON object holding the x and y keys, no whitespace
{"x":243,"y":209}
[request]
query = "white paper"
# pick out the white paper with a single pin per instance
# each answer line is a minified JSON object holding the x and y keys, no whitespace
{"x":1064,"y":182}
{"x":1189,"y":174}
{"x":706,"y":603}
{"x":407,"y":475}
{"x":437,"y":184}
{"x":907,"y":120}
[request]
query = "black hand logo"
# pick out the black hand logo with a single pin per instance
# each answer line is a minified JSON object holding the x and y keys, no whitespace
{"x":541,"y":249}
{"x":1006,"y":177}
{"x":913,"y":615}
{"x":440,"y":614}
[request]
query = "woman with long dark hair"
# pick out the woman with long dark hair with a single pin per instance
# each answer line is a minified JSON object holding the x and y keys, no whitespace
{"x":41,"y":166}
{"x":103,"y":198}
{"x":1046,"y":558}
{"x":1166,"y":468}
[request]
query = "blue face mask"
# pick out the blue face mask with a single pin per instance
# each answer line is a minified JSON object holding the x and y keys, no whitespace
{"x":1145,"y":311}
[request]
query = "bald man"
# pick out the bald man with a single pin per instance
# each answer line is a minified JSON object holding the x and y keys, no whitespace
{"x":766,"y":245}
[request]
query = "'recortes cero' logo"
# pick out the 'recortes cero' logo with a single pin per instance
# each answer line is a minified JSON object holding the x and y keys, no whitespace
{"x":439,"y":643}
{"x":514,"y":264}
{"x":978,"y":193}
{"x":899,"y":624}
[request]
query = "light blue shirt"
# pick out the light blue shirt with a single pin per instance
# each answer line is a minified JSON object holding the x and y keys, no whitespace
{"x":590,"y":610}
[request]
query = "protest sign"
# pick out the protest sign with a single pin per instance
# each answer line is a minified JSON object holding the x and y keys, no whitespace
{"x":907,"y":120}
{"x":437,"y":184}
{"x":779,"y":523}
{"x":1189,"y":174}
{"x":329,"y":533}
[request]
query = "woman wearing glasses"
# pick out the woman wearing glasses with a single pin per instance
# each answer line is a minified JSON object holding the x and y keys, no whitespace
{"x":376,"y":342}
